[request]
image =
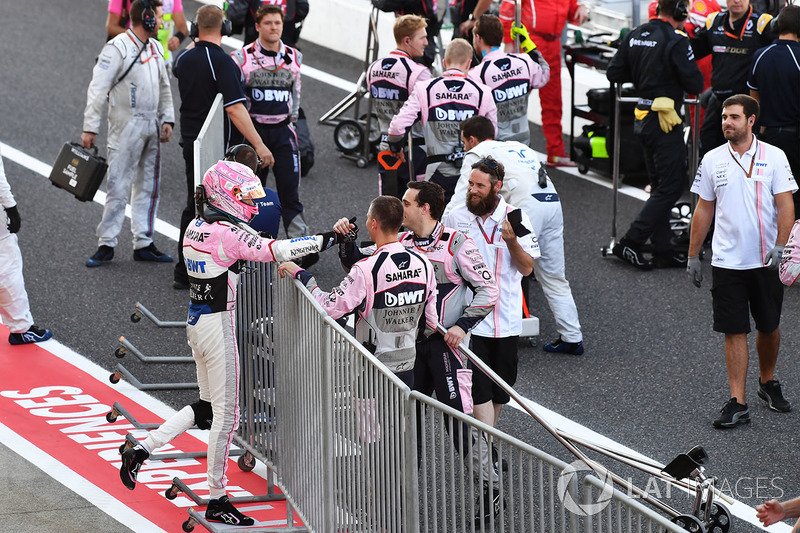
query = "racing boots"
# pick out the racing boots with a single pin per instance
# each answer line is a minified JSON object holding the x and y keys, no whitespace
{"x":132,"y":459}
{"x":222,"y":510}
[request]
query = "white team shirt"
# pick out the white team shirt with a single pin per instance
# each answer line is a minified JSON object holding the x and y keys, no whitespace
{"x":746,"y":224}
{"x":521,"y":179}
{"x":505,"y":320}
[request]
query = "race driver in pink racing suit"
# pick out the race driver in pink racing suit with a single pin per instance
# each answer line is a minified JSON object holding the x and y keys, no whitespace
{"x":214,"y":244}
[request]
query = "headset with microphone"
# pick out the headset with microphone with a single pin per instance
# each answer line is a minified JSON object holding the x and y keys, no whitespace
{"x":226,"y":29}
{"x":149,"y":20}
{"x":681,"y":11}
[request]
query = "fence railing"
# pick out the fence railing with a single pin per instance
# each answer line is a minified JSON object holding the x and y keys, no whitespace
{"x":356,"y":450}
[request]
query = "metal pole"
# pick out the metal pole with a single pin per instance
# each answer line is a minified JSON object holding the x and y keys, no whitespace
{"x":694,"y":159}
{"x":615,"y":166}
{"x":635,"y":13}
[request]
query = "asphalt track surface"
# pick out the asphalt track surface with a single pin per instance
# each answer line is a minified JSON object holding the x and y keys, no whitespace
{"x":653,"y":376}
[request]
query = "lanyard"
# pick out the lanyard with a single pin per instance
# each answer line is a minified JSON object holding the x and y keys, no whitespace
{"x":752,"y":160}
{"x":275,"y":67}
{"x":494,"y":231}
{"x":741,"y":33}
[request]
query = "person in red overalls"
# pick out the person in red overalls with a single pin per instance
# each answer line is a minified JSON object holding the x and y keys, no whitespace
{"x":551,"y":18}
{"x":697,"y":19}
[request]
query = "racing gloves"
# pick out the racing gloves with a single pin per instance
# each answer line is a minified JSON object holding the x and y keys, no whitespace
{"x":14,"y":221}
{"x":667,"y":117}
{"x":329,"y":238}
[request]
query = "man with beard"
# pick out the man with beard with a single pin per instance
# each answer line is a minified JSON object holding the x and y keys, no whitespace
{"x":527,"y":186}
{"x":506,"y":241}
{"x":747,"y":185}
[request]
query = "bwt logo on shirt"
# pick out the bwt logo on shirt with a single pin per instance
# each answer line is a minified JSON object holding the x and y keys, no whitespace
{"x":270,"y":95}
{"x":459,"y":115}
{"x":195,"y":266}
{"x":510,"y":93}
{"x":404,"y":298}
{"x":385,"y":94}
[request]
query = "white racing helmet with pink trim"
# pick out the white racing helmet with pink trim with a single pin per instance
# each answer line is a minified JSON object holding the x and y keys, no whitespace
{"x":231,"y":189}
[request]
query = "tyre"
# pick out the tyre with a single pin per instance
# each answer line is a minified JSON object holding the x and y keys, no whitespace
{"x":246,"y":462}
{"x":689,"y":523}
{"x":348,"y":136}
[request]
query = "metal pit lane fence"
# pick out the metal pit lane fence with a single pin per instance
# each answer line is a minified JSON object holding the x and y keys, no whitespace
{"x":354,"y":449}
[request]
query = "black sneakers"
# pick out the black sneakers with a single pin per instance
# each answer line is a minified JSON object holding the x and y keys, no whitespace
{"x":34,"y":334}
{"x":132,"y":459}
{"x":627,"y":252}
{"x":103,"y":254}
{"x":151,"y":253}
{"x":771,"y":393}
{"x":561,"y":346}
{"x":492,"y":505}
{"x":732,"y":414}
{"x":222,"y":510}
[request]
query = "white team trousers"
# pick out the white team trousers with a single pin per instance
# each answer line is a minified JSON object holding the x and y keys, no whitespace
{"x":213,"y":344}
{"x":14,"y":308}
{"x":134,"y":170}
{"x":548,"y":223}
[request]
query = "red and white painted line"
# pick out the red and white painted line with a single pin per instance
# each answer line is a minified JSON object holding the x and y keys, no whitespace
{"x":53,"y":404}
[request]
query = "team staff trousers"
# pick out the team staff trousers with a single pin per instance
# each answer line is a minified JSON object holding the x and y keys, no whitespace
{"x":213,"y":343}
{"x":548,"y":225}
{"x":134,"y":169}
{"x":666,"y":163}
{"x":282,"y":142}
{"x":435,"y":369}
{"x":14,"y":308}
